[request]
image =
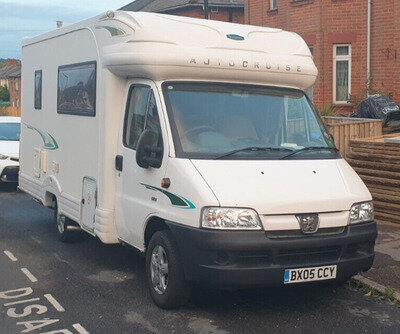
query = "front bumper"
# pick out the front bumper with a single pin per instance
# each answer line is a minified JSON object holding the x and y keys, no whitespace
{"x":249,"y":258}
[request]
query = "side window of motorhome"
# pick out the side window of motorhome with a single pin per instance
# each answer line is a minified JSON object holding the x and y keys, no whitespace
{"x":141,"y":114}
{"x":77,"y":89}
{"x":38,"y":90}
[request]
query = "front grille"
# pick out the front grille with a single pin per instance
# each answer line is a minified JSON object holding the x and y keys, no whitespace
{"x":254,"y":258}
{"x":308,"y":255}
{"x":243,"y":258}
{"x":299,"y":234}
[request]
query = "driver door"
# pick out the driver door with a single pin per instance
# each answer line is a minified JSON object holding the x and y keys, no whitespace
{"x":135,"y":201}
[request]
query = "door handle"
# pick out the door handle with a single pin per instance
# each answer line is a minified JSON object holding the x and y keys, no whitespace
{"x":119,"y":163}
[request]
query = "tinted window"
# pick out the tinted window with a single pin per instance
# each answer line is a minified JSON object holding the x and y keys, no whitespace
{"x":10,"y":131}
{"x":38,"y":89}
{"x":141,"y":113}
{"x":77,"y":89}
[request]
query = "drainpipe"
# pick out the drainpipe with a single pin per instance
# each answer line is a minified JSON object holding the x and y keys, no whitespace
{"x":369,"y":46}
{"x":206,"y":10}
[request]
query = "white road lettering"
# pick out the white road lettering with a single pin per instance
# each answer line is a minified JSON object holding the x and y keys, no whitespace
{"x":27,"y":311}
{"x":36,"y":324}
{"x":10,"y":294}
{"x":54,"y":302}
{"x":28,"y":274}
{"x":11,"y":256}
{"x":80,"y":329}
{"x":20,"y":297}
{"x":22,"y":302}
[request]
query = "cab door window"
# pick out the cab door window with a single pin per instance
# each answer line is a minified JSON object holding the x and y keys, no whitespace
{"x":141,"y":113}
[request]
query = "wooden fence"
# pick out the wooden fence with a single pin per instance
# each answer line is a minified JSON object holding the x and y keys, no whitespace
{"x":378,"y":164}
{"x":345,"y":129}
{"x":10,"y":111}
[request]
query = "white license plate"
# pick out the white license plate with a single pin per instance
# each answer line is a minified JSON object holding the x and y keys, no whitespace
{"x":309,"y":274}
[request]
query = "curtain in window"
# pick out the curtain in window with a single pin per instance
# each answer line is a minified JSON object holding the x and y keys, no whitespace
{"x":342,"y":80}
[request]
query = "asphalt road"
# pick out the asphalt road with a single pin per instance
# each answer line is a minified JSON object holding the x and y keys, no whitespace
{"x":91,"y":287}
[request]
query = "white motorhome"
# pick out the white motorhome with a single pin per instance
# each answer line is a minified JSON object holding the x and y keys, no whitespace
{"x":192,"y":141}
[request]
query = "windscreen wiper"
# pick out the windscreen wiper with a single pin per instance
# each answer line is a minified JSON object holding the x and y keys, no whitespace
{"x":253,"y":149}
{"x":311,"y":148}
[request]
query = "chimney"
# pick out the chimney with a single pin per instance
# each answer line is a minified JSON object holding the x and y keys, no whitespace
{"x":59,"y":24}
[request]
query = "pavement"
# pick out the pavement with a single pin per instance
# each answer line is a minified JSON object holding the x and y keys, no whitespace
{"x":87,"y":287}
{"x":385,"y":271}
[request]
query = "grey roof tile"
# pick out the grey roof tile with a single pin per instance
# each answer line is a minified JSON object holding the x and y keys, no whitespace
{"x":10,"y":71}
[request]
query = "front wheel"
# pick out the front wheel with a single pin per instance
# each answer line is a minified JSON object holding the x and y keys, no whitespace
{"x":164,"y":271}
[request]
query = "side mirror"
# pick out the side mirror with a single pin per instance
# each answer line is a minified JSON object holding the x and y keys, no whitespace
{"x":146,"y":154}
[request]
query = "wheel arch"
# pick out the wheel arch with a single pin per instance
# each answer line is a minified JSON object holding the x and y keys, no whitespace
{"x":153,"y":225}
{"x":49,"y":199}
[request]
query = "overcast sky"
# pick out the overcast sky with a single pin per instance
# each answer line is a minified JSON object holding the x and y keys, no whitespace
{"x":21,"y":18}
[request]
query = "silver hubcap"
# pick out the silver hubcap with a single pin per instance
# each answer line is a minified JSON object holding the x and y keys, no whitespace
{"x":159,"y":269}
{"x":61,"y":223}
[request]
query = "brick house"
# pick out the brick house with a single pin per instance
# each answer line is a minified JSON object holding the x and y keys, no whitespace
{"x":10,"y":76}
{"x":337,"y":34}
{"x":220,"y":10}
{"x":14,"y":86}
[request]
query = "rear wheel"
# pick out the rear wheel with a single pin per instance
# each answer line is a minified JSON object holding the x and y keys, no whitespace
{"x":164,"y":271}
{"x":64,"y":226}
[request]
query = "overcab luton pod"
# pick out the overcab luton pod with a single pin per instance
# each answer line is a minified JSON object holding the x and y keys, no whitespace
{"x":192,"y":141}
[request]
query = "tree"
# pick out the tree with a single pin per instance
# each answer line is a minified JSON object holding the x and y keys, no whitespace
{"x":4,"y":94}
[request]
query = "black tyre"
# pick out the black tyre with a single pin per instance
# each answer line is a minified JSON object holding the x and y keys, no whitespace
{"x":62,"y":223}
{"x":164,"y":271}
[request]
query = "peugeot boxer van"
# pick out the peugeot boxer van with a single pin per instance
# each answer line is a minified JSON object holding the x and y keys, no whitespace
{"x":194,"y":142}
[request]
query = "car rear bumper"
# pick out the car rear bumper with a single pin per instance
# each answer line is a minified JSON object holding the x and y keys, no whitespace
{"x":243,"y":259}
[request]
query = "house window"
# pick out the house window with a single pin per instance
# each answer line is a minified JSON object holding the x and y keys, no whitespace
{"x":77,"y":89}
{"x":38,"y":90}
{"x":341,"y":73}
{"x":17,"y":102}
{"x":16,"y":85}
{"x":273,"y":4}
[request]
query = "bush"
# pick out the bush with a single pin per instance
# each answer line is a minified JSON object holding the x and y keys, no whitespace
{"x":4,"y":94}
{"x":326,"y":110}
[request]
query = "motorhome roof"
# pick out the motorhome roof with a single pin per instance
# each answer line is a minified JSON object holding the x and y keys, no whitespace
{"x":164,"y":47}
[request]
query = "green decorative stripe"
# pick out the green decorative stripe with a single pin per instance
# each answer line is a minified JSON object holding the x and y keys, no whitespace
{"x":176,"y":200}
{"x":48,"y":140}
{"x":112,"y":30}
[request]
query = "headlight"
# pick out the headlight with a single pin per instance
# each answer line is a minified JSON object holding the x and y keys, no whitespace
{"x":3,"y":157}
{"x":230,"y":219}
{"x":361,"y":212}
